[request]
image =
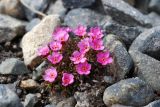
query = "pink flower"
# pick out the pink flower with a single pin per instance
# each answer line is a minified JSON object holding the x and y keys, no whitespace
{"x":95,"y":33}
{"x":43,"y":51}
{"x":67,"y":79}
{"x":55,"y":57}
{"x":61,"y":34}
{"x":55,"y":45}
{"x":77,"y":57}
{"x":83,"y":68}
{"x":83,"y":45}
{"x":80,"y":30}
{"x":97,"y":44}
{"x":50,"y":74}
{"x":104,"y":58}
{"x":67,"y":29}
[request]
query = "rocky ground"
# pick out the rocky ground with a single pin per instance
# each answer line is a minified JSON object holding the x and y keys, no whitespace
{"x":132,"y":29}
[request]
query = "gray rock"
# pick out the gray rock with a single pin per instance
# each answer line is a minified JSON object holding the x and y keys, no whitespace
{"x":145,"y":52}
{"x":125,"y":14}
{"x":38,"y":36}
{"x":37,"y":73}
{"x":75,"y":16}
{"x":56,"y":98}
{"x":129,"y":92}
{"x":57,"y":8}
{"x":8,"y":98}
{"x":108,"y":79}
{"x":29,"y":84}
{"x":154,"y":104}
{"x":13,"y":66}
{"x":32,"y":23}
{"x":10,"y":28}
{"x":39,"y":5}
{"x":11,"y":87}
{"x":12,"y":8}
{"x":122,"y":63}
{"x":77,"y":3}
{"x":69,"y":102}
{"x":90,"y":98}
{"x":125,"y":33}
{"x":30,"y":100}
{"x":50,"y":105}
{"x":154,"y":5}
{"x":155,"y":18}
{"x":118,"y":105}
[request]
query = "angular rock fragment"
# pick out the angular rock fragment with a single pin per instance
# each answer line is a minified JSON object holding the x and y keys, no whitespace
{"x":38,"y":36}
{"x":13,"y":66}
{"x":10,"y":28}
{"x":125,"y":14}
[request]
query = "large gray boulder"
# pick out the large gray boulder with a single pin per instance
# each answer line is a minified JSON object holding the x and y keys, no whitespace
{"x":125,"y":14}
{"x":81,"y":16}
{"x":145,"y":52}
{"x":124,"y":33}
{"x":129,"y":92}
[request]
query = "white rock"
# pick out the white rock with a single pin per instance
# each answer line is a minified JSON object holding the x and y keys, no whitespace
{"x":38,"y":36}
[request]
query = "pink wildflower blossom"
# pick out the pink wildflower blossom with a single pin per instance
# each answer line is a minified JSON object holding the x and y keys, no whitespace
{"x":61,"y":34}
{"x":95,"y":33}
{"x":83,"y":68}
{"x":67,"y":79}
{"x":67,"y":29}
{"x":50,"y":74}
{"x":43,"y":51}
{"x":83,"y":45}
{"x":97,"y":44}
{"x":55,"y":45}
{"x":78,"y":57}
{"x":80,"y":30}
{"x":55,"y":57}
{"x":104,"y":58}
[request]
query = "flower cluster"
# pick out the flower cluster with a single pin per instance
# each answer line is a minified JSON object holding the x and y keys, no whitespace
{"x":79,"y":60}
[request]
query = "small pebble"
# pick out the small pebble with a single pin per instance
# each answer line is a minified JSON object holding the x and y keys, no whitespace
{"x":29,"y":84}
{"x":14,"y":47}
{"x":108,"y":79}
{"x":38,"y":95}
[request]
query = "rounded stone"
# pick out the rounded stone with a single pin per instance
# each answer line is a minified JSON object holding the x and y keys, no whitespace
{"x":145,"y":52}
{"x":129,"y":92}
{"x":13,"y":66}
{"x":8,"y":98}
